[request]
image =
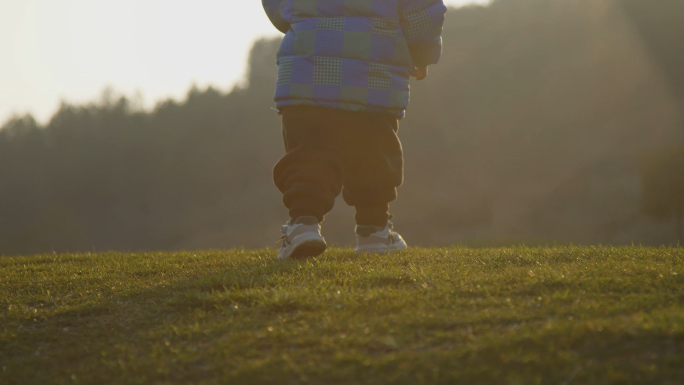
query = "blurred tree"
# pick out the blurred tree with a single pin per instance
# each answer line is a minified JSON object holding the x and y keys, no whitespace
{"x":663,"y":183}
{"x":659,"y":24}
{"x":529,"y":93}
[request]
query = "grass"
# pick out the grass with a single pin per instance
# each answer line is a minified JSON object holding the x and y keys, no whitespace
{"x":561,"y":315}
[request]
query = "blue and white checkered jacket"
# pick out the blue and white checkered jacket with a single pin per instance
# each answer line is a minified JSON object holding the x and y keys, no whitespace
{"x":353,"y":54}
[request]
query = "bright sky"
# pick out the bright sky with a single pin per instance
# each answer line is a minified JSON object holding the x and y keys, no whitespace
{"x":73,"y":49}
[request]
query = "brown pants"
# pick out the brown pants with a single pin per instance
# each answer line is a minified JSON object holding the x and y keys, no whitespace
{"x":331,"y":150}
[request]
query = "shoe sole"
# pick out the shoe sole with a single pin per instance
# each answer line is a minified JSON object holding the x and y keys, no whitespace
{"x":307,"y":249}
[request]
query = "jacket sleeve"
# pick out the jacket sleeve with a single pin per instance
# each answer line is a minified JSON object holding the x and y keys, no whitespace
{"x":272,"y":8}
{"x":422,"y":21}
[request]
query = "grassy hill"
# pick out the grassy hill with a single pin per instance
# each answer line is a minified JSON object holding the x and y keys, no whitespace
{"x":555,"y":315}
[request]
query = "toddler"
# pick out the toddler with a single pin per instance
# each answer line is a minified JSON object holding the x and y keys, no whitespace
{"x":343,"y":84}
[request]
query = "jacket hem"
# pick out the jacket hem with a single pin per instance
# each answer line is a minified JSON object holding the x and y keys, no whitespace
{"x":340,"y":105}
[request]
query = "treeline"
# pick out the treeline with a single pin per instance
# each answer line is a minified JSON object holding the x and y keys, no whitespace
{"x":531,"y":129}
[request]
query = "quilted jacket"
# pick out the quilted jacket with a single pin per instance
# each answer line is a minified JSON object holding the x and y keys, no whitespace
{"x":353,"y":54}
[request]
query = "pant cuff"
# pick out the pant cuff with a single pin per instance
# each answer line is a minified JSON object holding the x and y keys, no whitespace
{"x":372,"y":215}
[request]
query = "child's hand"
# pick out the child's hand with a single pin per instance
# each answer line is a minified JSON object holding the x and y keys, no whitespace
{"x":420,"y":73}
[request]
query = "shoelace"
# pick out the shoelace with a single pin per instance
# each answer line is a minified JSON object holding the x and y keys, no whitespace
{"x":283,"y":237}
{"x":390,"y":225}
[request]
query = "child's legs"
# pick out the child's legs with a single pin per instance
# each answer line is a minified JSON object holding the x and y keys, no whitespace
{"x":329,"y":148}
{"x":373,"y":166}
{"x":310,"y":174}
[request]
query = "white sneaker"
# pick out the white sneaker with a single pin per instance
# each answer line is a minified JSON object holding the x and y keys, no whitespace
{"x":373,"y":239}
{"x":302,"y":239}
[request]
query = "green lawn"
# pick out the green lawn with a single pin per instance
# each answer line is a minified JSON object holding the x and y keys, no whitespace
{"x":561,"y":315}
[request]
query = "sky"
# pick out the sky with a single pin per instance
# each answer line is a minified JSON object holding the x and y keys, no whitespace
{"x":71,"y":50}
